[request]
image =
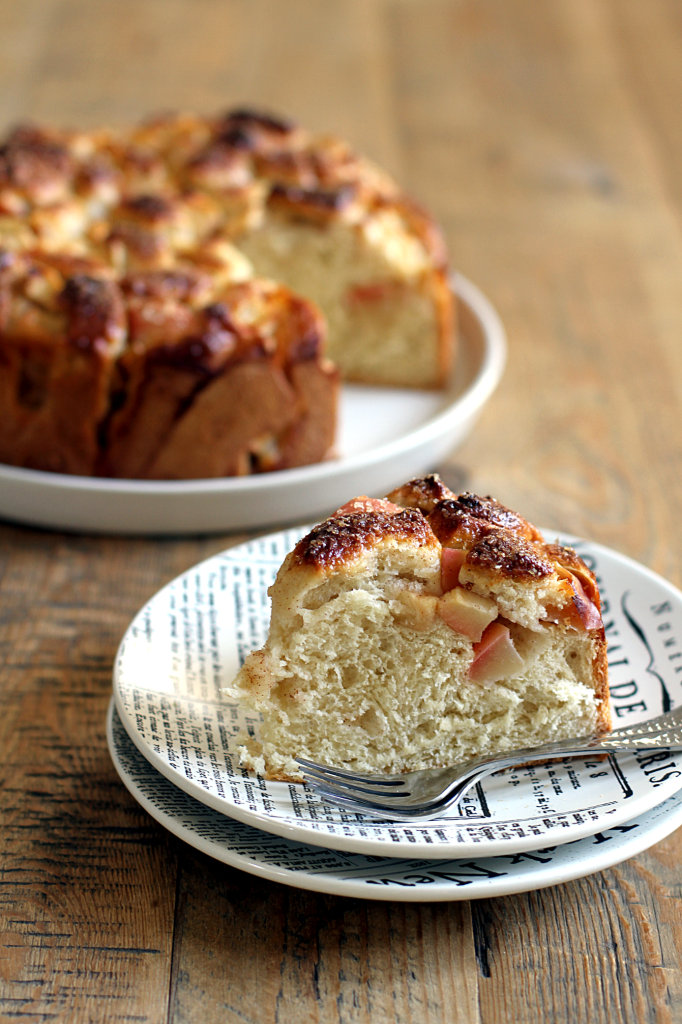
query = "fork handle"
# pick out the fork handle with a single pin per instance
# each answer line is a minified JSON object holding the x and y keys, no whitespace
{"x":662,"y":739}
{"x":670,"y":720}
{"x":460,"y":786}
{"x":458,"y":789}
{"x":662,"y":733}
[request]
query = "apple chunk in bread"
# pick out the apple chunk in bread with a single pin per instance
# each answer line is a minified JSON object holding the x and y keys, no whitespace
{"x":495,"y":656}
{"x":452,"y":560}
{"x":467,"y":613}
{"x":388,"y":652}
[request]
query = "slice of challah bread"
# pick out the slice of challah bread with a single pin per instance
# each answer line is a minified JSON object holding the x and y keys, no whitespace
{"x":422,"y":630}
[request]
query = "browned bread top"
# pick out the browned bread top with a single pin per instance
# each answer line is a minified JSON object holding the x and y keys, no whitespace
{"x":423,"y":493}
{"x":165,"y":198}
{"x":52,"y":300}
{"x":180,"y":364}
{"x":500,"y":551}
{"x":98,"y":373}
{"x":172,"y":181}
{"x":458,"y":515}
{"x":179,"y":317}
{"x":496,"y":541}
{"x":350,"y":533}
{"x":35,"y":164}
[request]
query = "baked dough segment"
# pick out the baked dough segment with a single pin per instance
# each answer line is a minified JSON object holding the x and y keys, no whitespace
{"x":223,"y":388}
{"x":381,"y":659}
{"x":60,"y":335}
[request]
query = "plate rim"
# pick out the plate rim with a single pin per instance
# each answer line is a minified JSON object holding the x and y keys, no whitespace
{"x":572,"y":870}
{"x":492,"y":366}
{"x":298,"y":833}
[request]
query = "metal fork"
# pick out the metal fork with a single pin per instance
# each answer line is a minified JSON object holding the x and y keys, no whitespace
{"x":428,"y":793}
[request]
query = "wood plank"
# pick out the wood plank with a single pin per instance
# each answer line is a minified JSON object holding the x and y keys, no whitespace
{"x":87,"y":887}
{"x":604,"y":948}
{"x":649,"y":42}
{"x":262,"y":952}
{"x":329,"y":66}
{"x":122,"y":60}
{"x":23,"y":30}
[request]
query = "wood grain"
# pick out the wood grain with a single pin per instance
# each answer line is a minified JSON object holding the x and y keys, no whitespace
{"x":313,"y":959}
{"x":546,"y":139}
{"x":88,"y":880}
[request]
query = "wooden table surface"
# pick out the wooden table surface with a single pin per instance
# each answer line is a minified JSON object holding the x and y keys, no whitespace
{"x":546,"y":137}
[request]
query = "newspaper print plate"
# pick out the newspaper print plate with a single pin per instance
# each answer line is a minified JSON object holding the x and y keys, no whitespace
{"x":190,"y":638}
{"x":376,"y":878}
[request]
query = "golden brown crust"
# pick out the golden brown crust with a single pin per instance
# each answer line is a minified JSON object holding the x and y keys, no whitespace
{"x":35,"y":163}
{"x":253,"y":129}
{"x":311,"y":437}
{"x":60,"y":335}
{"x":460,"y":517}
{"x":569,"y":559}
{"x":314,"y":204}
{"x":502,"y":554}
{"x":500,"y":547}
{"x":213,"y":438}
{"x":446,"y":312}
{"x":423,"y":493}
{"x":343,"y":538}
{"x":95,"y":312}
{"x":185,"y":386}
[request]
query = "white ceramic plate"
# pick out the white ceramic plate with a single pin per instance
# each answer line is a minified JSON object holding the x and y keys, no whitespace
{"x":377,"y":878}
{"x":387,"y":435}
{"x":188,"y":641}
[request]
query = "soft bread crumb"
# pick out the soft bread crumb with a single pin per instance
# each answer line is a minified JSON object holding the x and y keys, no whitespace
{"x":384,"y":305}
{"x":251,"y":756}
{"x":361,"y":688}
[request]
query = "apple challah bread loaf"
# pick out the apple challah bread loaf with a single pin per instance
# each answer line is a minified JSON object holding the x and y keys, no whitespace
{"x":142,"y":333}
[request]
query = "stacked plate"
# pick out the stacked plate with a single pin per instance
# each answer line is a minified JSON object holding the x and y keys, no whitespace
{"x":174,"y":736}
